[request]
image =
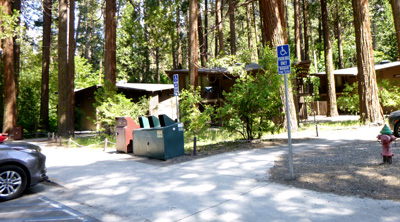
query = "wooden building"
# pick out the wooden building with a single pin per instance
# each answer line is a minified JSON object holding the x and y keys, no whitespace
{"x":384,"y":70}
{"x":162,"y":100}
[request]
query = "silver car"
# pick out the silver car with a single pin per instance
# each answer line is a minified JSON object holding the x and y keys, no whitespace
{"x":21,"y":165}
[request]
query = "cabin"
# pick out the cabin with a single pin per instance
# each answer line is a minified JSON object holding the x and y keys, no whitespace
{"x":384,"y":70}
{"x":214,"y":81}
{"x":162,"y":100}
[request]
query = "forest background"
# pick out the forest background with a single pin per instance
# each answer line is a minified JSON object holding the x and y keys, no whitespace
{"x":153,"y":36}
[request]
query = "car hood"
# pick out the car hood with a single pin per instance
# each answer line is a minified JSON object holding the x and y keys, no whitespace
{"x":395,"y":113}
{"x":18,"y":145}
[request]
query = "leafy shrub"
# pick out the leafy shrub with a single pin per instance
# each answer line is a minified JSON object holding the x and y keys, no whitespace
{"x":350,"y":100}
{"x":110,"y":104}
{"x":195,"y":121}
{"x":254,"y":100}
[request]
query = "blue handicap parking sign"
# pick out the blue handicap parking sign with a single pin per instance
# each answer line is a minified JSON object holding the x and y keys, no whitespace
{"x":176,"y":85}
{"x":283,"y":54}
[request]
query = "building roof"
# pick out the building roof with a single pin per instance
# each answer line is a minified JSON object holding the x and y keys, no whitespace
{"x":353,"y":71}
{"x":148,"y":87}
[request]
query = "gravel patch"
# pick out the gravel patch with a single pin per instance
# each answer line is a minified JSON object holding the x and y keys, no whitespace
{"x":351,"y":169}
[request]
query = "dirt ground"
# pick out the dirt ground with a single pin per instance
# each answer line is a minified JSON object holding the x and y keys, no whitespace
{"x":350,"y":170}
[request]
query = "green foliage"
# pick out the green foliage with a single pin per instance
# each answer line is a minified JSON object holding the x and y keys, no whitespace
{"x":84,"y":74}
{"x":9,"y":23}
{"x":195,"y":115}
{"x":110,"y":104}
{"x":254,"y":100}
{"x":349,"y":101}
{"x":389,"y":94}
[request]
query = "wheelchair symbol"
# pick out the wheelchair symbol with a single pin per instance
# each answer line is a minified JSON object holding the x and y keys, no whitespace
{"x":283,"y":51}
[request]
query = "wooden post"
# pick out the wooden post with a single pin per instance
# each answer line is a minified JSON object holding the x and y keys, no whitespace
{"x":60,"y":140}
{"x":69,"y":142}
{"x":105,"y":144}
{"x":194,"y":146}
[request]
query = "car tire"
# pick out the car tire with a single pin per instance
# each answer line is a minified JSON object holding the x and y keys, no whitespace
{"x":13,"y":181}
{"x":397,"y":130}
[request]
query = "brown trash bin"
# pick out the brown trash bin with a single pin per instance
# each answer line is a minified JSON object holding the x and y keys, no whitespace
{"x":18,"y":133}
{"x":123,"y":134}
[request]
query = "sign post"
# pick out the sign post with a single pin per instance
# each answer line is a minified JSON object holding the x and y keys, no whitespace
{"x":176,"y":94}
{"x":283,"y":55}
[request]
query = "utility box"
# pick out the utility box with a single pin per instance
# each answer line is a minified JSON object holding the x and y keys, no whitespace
{"x":18,"y":133}
{"x":163,"y":141}
{"x":123,"y":134}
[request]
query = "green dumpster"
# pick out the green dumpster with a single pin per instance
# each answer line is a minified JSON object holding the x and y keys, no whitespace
{"x":163,"y":140}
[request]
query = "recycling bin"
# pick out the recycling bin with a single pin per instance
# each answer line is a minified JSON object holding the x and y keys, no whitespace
{"x":123,"y":134}
{"x":162,"y":140}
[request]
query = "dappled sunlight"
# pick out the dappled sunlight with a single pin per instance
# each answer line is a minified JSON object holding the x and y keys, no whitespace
{"x":370,"y":173}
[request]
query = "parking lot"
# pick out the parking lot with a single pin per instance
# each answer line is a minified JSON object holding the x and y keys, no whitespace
{"x":34,"y":206}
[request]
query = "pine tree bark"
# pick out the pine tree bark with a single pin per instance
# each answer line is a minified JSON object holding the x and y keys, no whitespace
{"x":340,"y":44}
{"x":306,"y":34}
{"x":178,"y":27}
{"x":275,"y":34}
{"x":10,"y":90}
{"x":219,"y":23}
{"x":17,"y":48}
{"x":255,"y":29}
{"x":110,"y":69}
{"x":63,"y":87}
{"x":332,"y":107}
{"x":193,"y":43}
{"x":370,"y":110}
{"x":396,"y":17}
{"x":71,"y":66}
{"x":44,"y":93}
{"x":232,"y":26}
{"x":297,"y":40}
{"x":250,"y":34}
{"x":201,"y":39}
{"x":206,"y":29}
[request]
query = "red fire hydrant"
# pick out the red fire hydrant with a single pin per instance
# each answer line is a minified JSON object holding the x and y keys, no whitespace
{"x":386,"y":138}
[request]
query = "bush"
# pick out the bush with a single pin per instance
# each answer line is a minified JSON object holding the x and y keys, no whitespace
{"x":195,"y":121}
{"x":110,"y":104}
{"x":350,"y":101}
{"x":254,"y":100}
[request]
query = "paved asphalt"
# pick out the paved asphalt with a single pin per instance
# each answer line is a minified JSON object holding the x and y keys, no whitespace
{"x":111,"y":186}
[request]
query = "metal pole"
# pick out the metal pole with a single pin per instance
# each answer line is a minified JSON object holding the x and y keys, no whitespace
{"x":289,"y":130}
{"x":177,"y":108}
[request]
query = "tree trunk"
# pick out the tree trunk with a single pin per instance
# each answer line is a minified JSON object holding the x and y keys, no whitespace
{"x":297,"y":29}
{"x":340,"y":44}
{"x":71,"y":67}
{"x":306,"y":34}
{"x":206,"y":29}
{"x":232,"y":26}
{"x":44,"y":98}
{"x":332,"y":107}
{"x":250,"y":33}
{"x":110,"y":71}
{"x":201,"y":38}
{"x":63,"y":88}
{"x":193,"y":47}
{"x":273,"y":25}
{"x":10,"y":91}
{"x":219,"y":23}
{"x":158,"y":64}
{"x":17,"y":49}
{"x":396,"y":18}
{"x":255,"y":29}
{"x":370,"y":110}
{"x":178,"y":24}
